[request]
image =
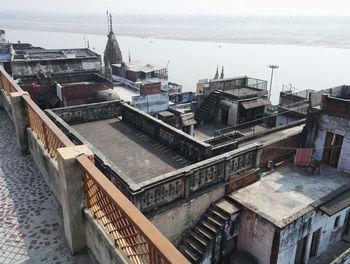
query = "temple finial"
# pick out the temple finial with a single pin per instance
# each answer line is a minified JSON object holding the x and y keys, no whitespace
{"x":217,"y":73}
{"x":222,"y":73}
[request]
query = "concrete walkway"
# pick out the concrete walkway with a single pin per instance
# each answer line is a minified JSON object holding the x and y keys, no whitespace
{"x":31,"y":225}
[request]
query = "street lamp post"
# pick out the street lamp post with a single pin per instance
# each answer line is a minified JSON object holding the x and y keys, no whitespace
{"x":272,"y":67}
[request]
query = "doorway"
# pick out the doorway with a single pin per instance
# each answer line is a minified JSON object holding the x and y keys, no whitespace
{"x":224,"y":116}
{"x":332,"y":149}
{"x":301,"y":250}
{"x":314,"y":243}
{"x":346,"y":226}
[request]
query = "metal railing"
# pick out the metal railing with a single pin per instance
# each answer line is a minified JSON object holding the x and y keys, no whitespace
{"x":130,"y":230}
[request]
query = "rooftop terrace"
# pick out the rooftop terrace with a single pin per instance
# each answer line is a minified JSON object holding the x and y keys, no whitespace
{"x":53,"y":54}
{"x":135,"y":153}
{"x":242,"y":92}
{"x":289,"y":191}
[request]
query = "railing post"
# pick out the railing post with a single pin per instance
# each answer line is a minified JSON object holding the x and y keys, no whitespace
{"x":71,"y":184}
{"x":20,"y":119}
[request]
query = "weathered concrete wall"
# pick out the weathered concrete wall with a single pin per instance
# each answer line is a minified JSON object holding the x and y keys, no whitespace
{"x":256,"y":236}
{"x":232,"y":108}
{"x":184,"y":216}
{"x":174,"y":138}
{"x":337,"y":125}
{"x":100,"y":247}
{"x":47,"y":167}
{"x":32,"y":67}
{"x":89,"y":112}
{"x":6,"y":104}
{"x":306,"y":226}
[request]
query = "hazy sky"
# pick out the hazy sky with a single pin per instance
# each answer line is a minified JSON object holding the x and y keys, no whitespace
{"x":224,"y":7}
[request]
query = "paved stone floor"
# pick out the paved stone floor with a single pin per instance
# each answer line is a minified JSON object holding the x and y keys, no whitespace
{"x":31,"y":227}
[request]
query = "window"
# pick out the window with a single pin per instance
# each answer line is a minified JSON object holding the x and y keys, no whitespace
{"x":336,"y":222}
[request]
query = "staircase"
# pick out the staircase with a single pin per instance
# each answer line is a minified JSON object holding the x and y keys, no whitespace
{"x":203,"y":240}
{"x":204,"y":111}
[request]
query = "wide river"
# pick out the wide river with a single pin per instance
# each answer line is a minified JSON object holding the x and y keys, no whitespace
{"x":302,"y":66}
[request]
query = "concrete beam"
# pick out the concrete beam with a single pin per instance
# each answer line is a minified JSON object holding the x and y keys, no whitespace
{"x":20,"y":119}
{"x":72,"y":195}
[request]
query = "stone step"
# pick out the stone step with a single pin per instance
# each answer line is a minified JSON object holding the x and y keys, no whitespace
{"x":189,"y":253}
{"x":227,"y":206}
{"x":199,"y":248}
{"x":218,"y":213}
{"x":209,"y":226}
{"x":215,"y":220}
{"x":200,"y":239}
{"x":205,"y":232}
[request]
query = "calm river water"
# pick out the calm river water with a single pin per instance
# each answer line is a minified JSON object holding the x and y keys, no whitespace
{"x":304,"y":67}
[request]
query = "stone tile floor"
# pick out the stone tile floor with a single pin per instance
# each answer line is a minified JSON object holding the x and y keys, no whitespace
{"x":31,"y":225}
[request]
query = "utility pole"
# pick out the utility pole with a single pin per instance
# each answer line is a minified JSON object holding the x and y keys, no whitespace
{"x":272,"y":67}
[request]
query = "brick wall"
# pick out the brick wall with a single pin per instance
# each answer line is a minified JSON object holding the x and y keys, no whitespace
{"x":80,"y":94}
{"x":336,"y":107}
{"x":151,"y":88}
{"x":277,"y":151}
{"x":239,"y":181}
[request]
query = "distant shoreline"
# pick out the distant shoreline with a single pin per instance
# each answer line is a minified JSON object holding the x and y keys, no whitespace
{"x":236,"y":34}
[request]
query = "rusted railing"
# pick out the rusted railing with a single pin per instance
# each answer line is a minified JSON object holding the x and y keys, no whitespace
{"x":130,"y":230}
{"x":46,"y":130}
{"x":8,"y":84}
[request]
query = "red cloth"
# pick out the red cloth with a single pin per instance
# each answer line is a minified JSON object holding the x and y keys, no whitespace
{"x":303,"y":157}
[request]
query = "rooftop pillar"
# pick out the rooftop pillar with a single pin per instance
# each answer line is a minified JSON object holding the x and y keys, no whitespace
{"x":20,"y":119}
{"x":71,"y":183}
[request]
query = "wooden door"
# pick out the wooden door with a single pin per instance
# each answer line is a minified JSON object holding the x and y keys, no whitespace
{"x":334,"y":159}
{"x":332,"y":149}
{"x":327,"y":147}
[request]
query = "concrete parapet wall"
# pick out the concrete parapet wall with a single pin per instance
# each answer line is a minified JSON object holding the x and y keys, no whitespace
{"x":46,"y":165}
{"x":185,"y":215}
{"x":270,"y":131}
{"x":170,"y":190}
{"x":174,"y":138}
{"x":89,"y":112}
{"x":125,"y":184}
{"x":100,"y":247}
{"x":6,"y":104}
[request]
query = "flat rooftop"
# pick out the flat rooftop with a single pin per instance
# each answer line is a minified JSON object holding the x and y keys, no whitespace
{"x":288,"y":192}
{"x":270,"y":137}
{"x":139,"y":156}
{"x":140,"y":66}
{"x":53,"y":54}
{"x":243,"y":91}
